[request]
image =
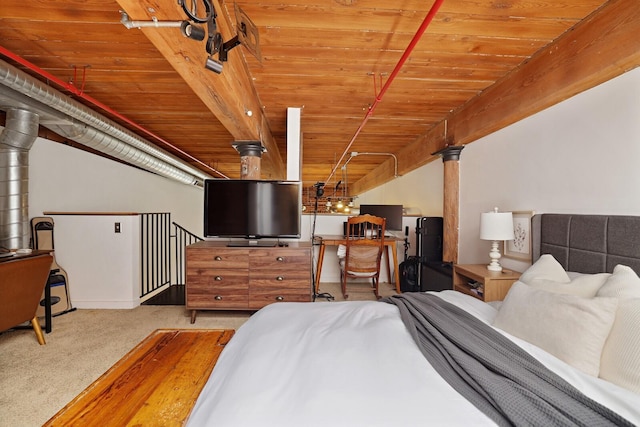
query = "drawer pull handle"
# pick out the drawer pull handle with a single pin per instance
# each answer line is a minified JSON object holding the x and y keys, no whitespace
{"x":279,"y":259}
{"x":218,"y":258}
{"x":279,"y":298}
{"x":218,"y":278}
{"x":218,"y":298}
{"x":279,"y":278}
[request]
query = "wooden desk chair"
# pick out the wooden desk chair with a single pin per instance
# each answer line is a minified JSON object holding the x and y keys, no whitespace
{"x":364,"y":248}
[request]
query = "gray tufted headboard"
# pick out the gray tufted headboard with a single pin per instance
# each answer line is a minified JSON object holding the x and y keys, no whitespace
{"x":587,"y":243}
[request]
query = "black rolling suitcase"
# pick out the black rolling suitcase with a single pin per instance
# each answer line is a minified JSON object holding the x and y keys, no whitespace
{"x":409,"y":269}
{"x":410,"y":274}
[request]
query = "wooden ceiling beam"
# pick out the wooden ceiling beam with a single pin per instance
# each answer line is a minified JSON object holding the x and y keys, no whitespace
{"x":228,"y":95}
{"x":603,"y":46}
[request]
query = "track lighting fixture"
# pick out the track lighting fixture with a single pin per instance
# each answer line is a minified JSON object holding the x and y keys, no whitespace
{"x":213,"y":65}
{"x":247,"y":31}
{"x":194,"y":32}
{"x":215,"y":43}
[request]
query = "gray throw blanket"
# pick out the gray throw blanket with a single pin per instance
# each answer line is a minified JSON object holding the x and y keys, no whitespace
{"x":502,"y":380}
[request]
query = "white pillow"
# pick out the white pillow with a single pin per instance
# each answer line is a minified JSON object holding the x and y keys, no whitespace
{"x":623,"y":283}
{"x":620,"y":363}
{"x":572,"y":328}
{"x":547,"y":268}
{"x":583,"y":285}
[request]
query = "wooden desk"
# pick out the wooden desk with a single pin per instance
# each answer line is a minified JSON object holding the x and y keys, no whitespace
{"x":335,"y":240}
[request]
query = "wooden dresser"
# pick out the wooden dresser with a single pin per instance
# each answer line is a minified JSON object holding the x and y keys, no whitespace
{"x":246,"y":278}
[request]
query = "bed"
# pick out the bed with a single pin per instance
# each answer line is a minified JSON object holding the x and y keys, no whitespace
{"x":367,"y":364}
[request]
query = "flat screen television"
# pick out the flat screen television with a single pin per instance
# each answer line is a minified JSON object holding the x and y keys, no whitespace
{"x":252,"y":209}
{"x":393,"y":214}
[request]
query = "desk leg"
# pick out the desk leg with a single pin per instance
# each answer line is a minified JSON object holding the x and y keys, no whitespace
{"x":394,"y":251}
{"x":319,"y":267}
{"x":388,"y":247}
{"x":47,"y":307}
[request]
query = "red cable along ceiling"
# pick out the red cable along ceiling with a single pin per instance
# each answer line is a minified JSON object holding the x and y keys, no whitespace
{"x":423,"y":27}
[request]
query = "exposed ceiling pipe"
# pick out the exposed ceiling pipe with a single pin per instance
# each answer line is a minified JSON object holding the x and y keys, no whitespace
{"x":16,"y":139}
{"x":427,"y":20}
{"x":114,"y":147}
{"x":69,"y":115}
{"x":129,"y":24}
{"x":79,"y":93}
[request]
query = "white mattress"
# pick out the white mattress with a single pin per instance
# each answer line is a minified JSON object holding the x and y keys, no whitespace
{"x":351,"y":364}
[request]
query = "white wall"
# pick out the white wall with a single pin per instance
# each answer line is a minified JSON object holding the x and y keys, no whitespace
{"x":419,"y":191}
{"x":579,"y":156}
{"x":103,"y":267}
{"x":62,"y":178}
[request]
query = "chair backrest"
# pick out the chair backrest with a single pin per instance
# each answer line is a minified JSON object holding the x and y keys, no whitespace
{"x":364,"y":243}
{"x":42,"y":233}
{"x":22,"y":281}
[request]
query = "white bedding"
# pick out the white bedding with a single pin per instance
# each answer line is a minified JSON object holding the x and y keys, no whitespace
{"x":352,"y":364}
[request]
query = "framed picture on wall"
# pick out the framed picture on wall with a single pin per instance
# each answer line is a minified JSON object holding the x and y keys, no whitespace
{"x":520,"y":246}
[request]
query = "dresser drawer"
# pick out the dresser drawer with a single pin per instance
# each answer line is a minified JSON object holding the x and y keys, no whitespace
{"x":220,"y":258}
{"x":281,"y":275}
{"x":266,"y":291}
{"x":259,"y":299}
{"x":217,"y":288}
{"x":222,"y":299}
{"x":278,"y":259}
{"x":212,"y":288}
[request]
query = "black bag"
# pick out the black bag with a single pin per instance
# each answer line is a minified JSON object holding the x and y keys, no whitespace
{"x":409,"y":274}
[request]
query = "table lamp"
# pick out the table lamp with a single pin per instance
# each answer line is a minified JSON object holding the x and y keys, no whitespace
{"x":496,"y":226}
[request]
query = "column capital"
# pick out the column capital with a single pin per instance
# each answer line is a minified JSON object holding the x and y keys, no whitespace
{"x":249,"y":148}
{"x":450,"y":152}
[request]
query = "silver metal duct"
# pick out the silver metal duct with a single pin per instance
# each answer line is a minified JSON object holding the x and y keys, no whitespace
{"x":85,"y":126}
{"x":16,"y":140}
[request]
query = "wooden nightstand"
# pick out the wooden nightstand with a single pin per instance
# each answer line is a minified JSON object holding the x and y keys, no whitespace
{"x":476,"y":280}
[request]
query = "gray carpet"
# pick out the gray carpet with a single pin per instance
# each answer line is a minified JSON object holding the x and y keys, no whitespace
{"x":37,"y":381}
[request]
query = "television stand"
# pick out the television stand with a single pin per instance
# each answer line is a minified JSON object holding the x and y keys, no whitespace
{"x":219,"y":277}
{"x":251,"y":244}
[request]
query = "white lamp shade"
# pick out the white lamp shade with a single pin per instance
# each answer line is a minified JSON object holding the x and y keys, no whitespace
{"x":496,"y":226}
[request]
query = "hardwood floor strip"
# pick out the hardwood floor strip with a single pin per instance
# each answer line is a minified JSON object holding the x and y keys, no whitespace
{"x":166,"y":408}
{"x":156,"y":383}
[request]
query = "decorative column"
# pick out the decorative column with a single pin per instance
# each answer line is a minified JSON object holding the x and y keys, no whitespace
{"x":451,"y":208}
{"x":250,"y":155}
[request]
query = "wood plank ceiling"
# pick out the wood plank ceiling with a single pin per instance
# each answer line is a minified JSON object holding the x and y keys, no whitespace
{"x":330,"y":58}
